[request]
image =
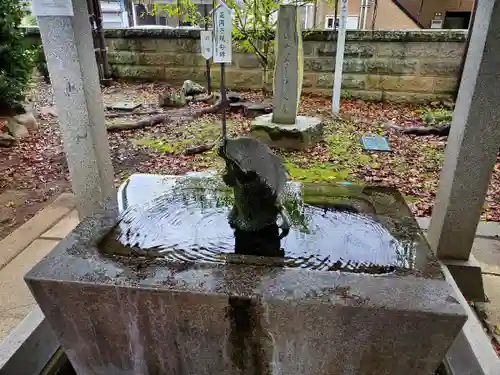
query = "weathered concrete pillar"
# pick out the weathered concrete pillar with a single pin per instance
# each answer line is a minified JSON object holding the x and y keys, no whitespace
{"x":68,"y":46}
{"x":473,"y":142}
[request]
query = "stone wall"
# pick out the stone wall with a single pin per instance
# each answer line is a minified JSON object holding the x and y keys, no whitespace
{"x":410,"y":66}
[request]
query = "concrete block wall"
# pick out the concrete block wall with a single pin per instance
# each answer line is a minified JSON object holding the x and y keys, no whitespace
{"x":406,"y":66}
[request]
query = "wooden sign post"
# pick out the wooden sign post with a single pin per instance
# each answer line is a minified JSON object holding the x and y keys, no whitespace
{"x":207,"y":48}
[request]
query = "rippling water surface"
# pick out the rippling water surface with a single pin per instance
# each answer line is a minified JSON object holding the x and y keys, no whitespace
{"x":186,"y":223}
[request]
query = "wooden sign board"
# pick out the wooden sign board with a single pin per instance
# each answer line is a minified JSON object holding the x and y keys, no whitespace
{"x":206,"y":44}
{"x":223,"y":24}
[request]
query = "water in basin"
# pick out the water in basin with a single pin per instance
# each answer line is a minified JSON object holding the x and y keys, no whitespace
{"x":334,"y":227}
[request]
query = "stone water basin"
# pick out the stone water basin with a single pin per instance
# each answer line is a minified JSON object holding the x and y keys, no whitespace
{"x":357,"y":290}
{"x":184,"y":219}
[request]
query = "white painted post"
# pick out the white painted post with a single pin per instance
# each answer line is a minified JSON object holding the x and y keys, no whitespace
{"x":339,"y":57}
{"x":67,"y":41}
{"x":473,"y":141}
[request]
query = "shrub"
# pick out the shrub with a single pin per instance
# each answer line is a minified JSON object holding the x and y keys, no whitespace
{"x":16,"y":58}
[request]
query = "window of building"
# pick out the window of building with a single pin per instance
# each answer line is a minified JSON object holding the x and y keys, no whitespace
{"x":332,"y":24}
{"x":456,"y":20}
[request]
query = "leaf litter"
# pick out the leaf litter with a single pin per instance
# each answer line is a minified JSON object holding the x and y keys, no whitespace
{"x":413,"y":165}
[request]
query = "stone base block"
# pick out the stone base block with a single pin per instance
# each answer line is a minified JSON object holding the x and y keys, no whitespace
{"x":117,"y":315}
{"x":306,"y":132}
{"x":469,"y":278}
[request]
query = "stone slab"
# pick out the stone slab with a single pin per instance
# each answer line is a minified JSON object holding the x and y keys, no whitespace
{"x":468,"y":276}
{"x":488,"y":229}
{"x":471,"y":353}
{"x":16,"y":300}
{"x":18,"y":240}
{"x":487,"y":253}
{"x":63,"y":227}
{"x":374,"y":142}
{"x":114,"y":317}
{"x":29,"y":347}
{"x":124,"y":106}
{"x":484,"y":228}
{"x":492,"y":290}
{"x":304,"y":133}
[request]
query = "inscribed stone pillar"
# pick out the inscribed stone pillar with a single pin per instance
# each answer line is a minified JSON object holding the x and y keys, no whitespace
{"x":473,"y":142}
{"x":68,"y":46}
{"x":289,"y":66}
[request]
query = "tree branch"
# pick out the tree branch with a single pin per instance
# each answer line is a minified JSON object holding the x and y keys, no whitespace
{"x":164,"y":117}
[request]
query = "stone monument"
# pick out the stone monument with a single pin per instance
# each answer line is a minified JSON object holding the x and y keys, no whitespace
{"x":163,"y":291}
{"x":283,"y":128}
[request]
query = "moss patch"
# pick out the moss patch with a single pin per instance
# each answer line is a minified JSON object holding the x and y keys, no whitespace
{"x":434,"y":116}
{"x":187,"y":135}
{"x":340,"y":155}
{"x":315,"y":172}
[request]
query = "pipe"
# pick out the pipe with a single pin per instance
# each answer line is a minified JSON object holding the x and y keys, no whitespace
{"x":315,"y":14}
{"x":365,"y":14}
{"x":305,"y":16}
{"x":339,"y":57}
{"x":336,"y":15}
{"x":134,"y":13}
{"x":360,"y":20}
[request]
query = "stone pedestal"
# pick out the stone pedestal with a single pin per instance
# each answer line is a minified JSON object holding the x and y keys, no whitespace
{"x":283,"y":128}
{"x":289,"y":67}
{"x":305,"y":132}
{"x":129,"y":316}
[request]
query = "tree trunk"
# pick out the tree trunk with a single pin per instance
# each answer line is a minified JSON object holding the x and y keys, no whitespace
{"x":265,"y":67}
{"x":264,"y":81}
{"x":164,"y":117}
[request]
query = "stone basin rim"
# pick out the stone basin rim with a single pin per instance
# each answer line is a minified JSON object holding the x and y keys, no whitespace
{"x":76,"y":259}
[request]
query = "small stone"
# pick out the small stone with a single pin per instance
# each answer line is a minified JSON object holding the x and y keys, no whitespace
{"x":172,"y":99}
{"x":28,"y":120}
{"x":448,"y":104}
{"x":306,"y":132}
{"x":6,"y":140}
{"x":124,"y":106}
{"x":214,"y":98}
{"x":192,"y":88}
{"x":238,"y":107}
{"x":234,"y":97}
{"x":17,"y":130}
{"x":48,"y":112}
{"x":253,"y":110}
